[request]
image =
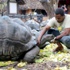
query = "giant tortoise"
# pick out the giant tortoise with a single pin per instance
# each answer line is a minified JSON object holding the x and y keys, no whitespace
{"x":17,"y":41}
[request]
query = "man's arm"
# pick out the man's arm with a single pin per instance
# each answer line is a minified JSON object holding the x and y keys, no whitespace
{"x":43,"y":32}
{"x":66,"y":32}
{"x":47,"y":27}
{"x":60,"y":47}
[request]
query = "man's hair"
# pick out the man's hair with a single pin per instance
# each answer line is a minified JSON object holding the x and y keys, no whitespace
{"x":59,"y":11}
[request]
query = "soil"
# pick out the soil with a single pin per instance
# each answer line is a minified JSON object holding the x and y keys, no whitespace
{"x":48,"y":65}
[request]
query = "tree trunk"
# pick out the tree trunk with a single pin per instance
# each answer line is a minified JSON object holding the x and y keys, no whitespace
{"x":48,"y":6}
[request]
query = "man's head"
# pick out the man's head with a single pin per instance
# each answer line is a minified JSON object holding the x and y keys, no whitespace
{"x":59,"y":15}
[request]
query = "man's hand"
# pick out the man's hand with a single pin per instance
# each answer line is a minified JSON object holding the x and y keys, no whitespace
{"x":42,"y":33}
{"x":54,"y":40}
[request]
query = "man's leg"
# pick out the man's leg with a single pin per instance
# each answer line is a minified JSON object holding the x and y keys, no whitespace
{"x":66,"y":41}
{"x":56,"y":33}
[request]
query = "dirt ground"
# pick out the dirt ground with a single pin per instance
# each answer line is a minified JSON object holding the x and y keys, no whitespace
{"x":46,"y":60}
{"x":48,"y":65}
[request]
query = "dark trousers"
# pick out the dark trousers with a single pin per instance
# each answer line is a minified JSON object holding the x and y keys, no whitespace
{"x":54,"y":32}
{"x":65,"y":39}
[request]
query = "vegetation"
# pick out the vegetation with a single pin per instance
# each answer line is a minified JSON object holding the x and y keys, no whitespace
{"x":58,"y":60}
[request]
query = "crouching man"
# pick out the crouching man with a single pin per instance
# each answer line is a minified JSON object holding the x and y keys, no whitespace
{"x":60,"y":20}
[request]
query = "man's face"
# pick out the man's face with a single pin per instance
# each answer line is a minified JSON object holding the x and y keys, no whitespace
{"x":59,"y":18}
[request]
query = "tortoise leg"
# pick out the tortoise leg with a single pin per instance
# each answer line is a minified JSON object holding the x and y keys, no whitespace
{"x":29,"y":56}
